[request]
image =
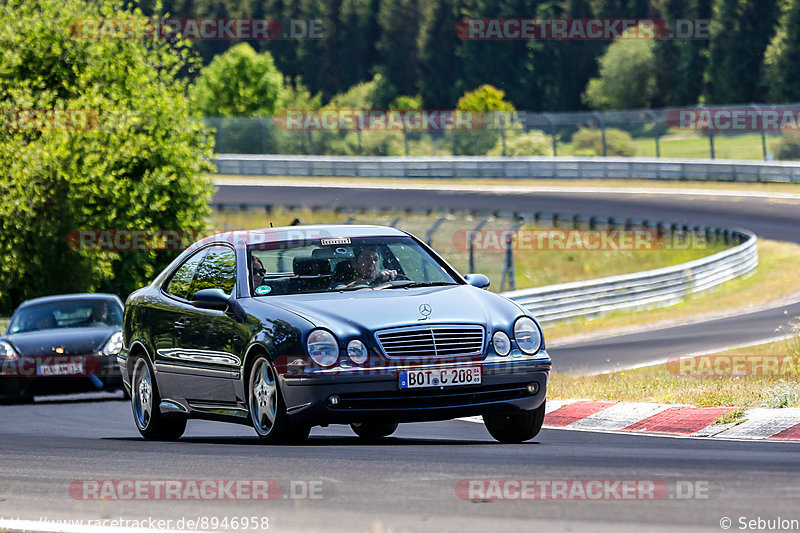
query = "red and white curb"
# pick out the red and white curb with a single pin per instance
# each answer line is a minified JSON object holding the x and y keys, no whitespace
{"x":665,"y":419}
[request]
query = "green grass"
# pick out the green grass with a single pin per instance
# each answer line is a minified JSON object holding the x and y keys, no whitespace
{"x":657,"y":384}
{"x":533,"y":268}
{"x":3,"y":324}
{"x":743,"y":146}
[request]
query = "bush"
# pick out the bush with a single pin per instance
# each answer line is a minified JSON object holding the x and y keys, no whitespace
{"x":490,"y":101}
{"x":534,"y":142}
{"x":141,"y":162}
{"x":589,"y":141}
{"x":787,"y":148}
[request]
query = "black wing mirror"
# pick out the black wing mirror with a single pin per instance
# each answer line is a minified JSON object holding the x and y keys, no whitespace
{"x":478,"y":280}
{"x":210,"y":299}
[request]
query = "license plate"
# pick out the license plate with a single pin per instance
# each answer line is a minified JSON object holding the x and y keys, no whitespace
{"x":74,"y":368}
{"x":440,"y":377}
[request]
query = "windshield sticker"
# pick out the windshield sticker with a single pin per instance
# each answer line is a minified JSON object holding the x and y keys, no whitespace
{"x":263,"y":289}
{"x":340,"y":240}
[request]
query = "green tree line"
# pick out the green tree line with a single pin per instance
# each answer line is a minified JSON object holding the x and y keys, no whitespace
{"x":748,"y":52}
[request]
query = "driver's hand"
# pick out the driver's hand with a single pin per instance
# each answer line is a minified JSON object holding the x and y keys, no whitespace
{"x":388,"y":275}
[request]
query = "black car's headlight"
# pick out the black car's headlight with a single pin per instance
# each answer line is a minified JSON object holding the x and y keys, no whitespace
{"x":527,"y":335}
{"x":7,"y":351}
{"x":114,"y":344}
{"x":357,"y":352}
{"x":323,"y":347}
{"x":501,"y":343}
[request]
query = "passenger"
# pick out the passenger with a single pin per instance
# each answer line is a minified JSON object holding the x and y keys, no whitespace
{"x":259,"y":272}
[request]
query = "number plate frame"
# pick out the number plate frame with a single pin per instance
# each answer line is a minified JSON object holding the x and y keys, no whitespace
{"x":432,"y":377}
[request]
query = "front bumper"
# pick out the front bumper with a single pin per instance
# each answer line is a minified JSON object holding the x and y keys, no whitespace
{"x":21,"y":377}
{"x":364,"y":398}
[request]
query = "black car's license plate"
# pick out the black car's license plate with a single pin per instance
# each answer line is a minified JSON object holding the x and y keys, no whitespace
{"x":440,"y":377}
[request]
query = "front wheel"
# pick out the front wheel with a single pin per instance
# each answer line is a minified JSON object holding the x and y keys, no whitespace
{"x":145,"y":401}
{"x":267,"y":412}
{"x":373,"y":430}
{"x":516,"y":428}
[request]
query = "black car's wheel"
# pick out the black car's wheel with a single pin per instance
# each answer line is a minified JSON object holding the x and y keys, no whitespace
{"x":373,"y":430}
{"x":145,"y":401}
{"x":267,"y":411}
{"x":519,"y":427}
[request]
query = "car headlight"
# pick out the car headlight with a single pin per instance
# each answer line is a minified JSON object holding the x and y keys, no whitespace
{"x":501,"y":343}
{"x":527,"y":335}
{"x":322,"y":347}
{"x":7,"y":351}
{"x":357,"y":352}
{"x":114,"y":344}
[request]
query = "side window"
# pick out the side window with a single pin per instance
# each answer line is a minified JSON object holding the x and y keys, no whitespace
{"x":181,"y":281}
{"x":216,"y":271}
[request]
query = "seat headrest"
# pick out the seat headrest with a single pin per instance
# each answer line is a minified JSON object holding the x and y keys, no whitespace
{"x":309,"y":266}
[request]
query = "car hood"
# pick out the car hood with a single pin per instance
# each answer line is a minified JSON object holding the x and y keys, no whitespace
{"x":75,"y":341}
{"x":378,"y":309}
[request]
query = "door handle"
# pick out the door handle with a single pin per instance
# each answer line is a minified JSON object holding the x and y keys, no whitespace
{"x":180,"y":324}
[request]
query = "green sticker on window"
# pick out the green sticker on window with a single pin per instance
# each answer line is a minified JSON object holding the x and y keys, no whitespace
{"x":263,"y":289}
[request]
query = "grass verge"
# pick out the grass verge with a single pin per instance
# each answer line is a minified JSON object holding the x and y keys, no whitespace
{"x":664,"y":384}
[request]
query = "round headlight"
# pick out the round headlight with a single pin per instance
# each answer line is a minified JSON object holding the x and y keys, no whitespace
{"x":114,"y":344}
{"x":322,"y":347}
{"x":501,"y":343}
{"x":357,"y":352}
{"x":527,"y":335}
{"x":7,"y":351}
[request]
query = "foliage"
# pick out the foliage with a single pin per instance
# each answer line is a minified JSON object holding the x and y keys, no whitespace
{"x":534,"y":142}
{"x":139,"y":162}
{"x":788,"y":147}
{"x":589,"y":141}
{"x":490,"y":103}
{"x":239,"y":83}
{"x":627,"y":79}
{"x":781,"y":75}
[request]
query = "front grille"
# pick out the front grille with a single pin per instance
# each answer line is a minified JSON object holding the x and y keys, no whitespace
{"x":432,"y":341}
{"x":430,"y":398}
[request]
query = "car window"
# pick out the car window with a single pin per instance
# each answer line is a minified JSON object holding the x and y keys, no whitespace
{"x":217,"y":270}
{"x":181,"y":281}
{"x":67,"y":314}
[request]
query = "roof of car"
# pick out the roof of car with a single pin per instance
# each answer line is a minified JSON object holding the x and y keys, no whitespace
{"x":67,"y":297}
{"x":299,"y":233}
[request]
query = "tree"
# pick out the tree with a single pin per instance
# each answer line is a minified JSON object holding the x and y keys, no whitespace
{"x":627,"y":79}
{"x":491,"y":111}
{"x":781,"y":74}
{"x":140,"y":161}
{"x":402,"y":24}
{"x":240,"y":82}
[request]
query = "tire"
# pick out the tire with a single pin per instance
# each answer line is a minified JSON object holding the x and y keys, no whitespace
{"x":373,"y":430}
{"x":144,"y":403}
{"x":516,"y":428}
{"x":266,"y":407}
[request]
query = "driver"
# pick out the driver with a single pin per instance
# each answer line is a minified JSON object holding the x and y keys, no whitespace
{"x":367,"y":271}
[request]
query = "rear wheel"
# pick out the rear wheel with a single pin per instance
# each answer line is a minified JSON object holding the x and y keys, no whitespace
{"x":267,"y":412}
{"x":373,"y":430}
{"x":515,"y":428}
{"x":145,"y":402}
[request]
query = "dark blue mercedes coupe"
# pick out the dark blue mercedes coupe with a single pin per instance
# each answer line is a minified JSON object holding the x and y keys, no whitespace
{"x":288,"y":328}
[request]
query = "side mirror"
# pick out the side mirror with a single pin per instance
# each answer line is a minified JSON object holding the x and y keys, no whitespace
{"x":210,"y":299}
{"x":478,"y":280}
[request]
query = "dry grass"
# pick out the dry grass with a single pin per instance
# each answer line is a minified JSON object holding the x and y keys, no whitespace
{"x":660,"y":384}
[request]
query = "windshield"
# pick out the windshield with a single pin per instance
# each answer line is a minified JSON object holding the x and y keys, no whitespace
{"x":327,"y":265}
{"x":67,"y":314}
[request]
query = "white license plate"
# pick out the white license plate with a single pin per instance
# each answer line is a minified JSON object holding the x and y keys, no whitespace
{"x":61,"y":369}
{"x":440,"y":377}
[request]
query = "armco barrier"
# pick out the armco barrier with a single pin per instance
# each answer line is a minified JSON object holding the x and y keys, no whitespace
{"x":652,"y":288}
{"x":511,"y":167}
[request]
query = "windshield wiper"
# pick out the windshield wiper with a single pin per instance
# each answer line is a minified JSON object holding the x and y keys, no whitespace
{"x":410,"y":284}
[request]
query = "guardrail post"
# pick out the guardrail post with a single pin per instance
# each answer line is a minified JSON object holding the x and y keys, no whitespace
{"x":711,"y":143}
{"x":472,"y":245}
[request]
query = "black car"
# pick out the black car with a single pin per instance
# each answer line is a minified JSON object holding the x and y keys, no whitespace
{"x":62,"y":344}
{"x":287,"y":328}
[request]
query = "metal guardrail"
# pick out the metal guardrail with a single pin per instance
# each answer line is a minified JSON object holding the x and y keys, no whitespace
{"x":652,"y":288}
{"x":623,"y":168}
